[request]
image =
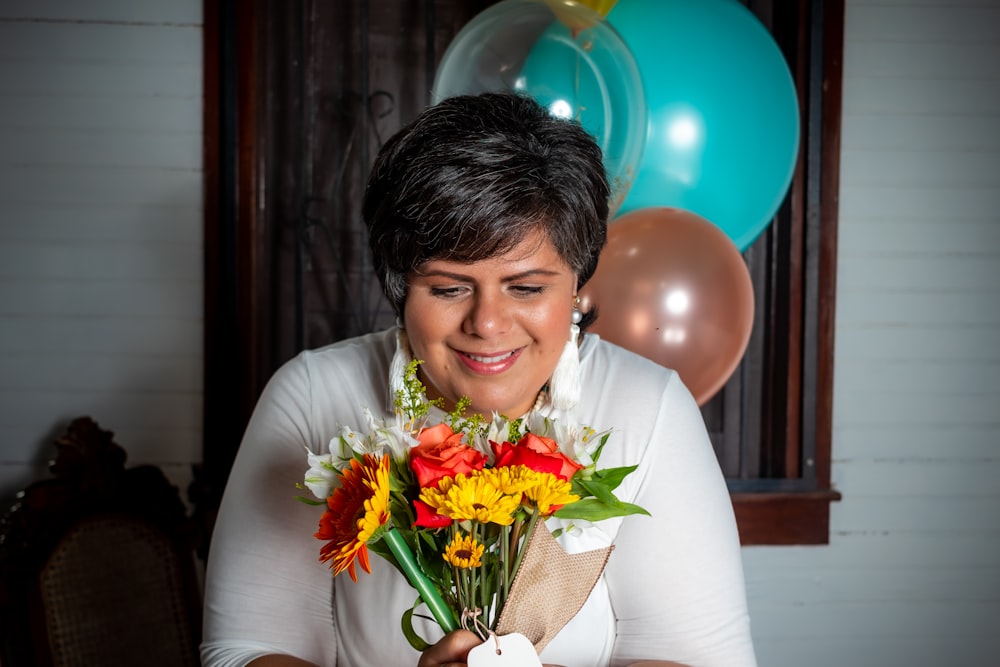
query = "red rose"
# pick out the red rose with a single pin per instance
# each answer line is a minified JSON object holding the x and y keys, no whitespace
{"x":441,"y":453}
{"x":427,"y":517}
{"x":538,"y":453}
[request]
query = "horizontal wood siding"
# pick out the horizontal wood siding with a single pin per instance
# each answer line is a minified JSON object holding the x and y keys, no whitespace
{"x":912,"y":573}
{"x":100,"y":229}
{"x":100,"y":302}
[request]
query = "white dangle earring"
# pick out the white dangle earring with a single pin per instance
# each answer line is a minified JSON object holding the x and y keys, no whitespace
{"x":401,"y":358}
{"x":564,"y":387}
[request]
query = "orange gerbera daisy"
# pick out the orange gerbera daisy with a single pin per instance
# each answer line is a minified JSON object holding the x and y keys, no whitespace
{"x":355,"y":511}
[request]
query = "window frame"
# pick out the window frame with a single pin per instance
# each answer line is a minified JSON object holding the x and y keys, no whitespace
{"x":788,"y":501}
{"x":776,"y":408}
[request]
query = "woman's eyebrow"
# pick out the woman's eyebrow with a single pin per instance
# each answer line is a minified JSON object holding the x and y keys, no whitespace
{"x":530,"y":273}
{"x":443,"y":274}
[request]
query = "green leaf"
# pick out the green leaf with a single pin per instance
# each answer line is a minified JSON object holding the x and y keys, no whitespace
{"x":613,"y":477}
{"x":429,"y":560}
{"x":598,"y":490}
{"x":592,"y":509}
{"x":428,"y":538}
{"x":309,"y":501}
{"x":406,"y":622}
{"x":600,"y":448}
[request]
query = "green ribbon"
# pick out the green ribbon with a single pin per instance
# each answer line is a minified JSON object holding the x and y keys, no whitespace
{"x":428,"y":592}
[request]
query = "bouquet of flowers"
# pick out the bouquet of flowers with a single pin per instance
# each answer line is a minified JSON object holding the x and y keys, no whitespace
{"x":456,"y":507}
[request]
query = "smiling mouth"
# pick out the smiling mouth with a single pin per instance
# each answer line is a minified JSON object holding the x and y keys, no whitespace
{"x":489,"y":360}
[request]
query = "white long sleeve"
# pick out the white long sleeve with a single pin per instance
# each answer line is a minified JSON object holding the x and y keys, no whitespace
{"x":673,"y":588}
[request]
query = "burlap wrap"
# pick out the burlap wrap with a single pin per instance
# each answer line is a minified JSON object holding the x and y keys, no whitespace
{"x":549,"y":588}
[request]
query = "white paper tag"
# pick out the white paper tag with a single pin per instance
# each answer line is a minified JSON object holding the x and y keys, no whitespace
{"x":513,"y":650}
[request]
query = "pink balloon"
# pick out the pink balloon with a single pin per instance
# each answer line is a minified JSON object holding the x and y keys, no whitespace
{"x":672,"y":287}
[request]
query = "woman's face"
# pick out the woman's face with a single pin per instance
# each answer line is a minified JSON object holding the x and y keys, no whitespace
{"x":492,"y":330}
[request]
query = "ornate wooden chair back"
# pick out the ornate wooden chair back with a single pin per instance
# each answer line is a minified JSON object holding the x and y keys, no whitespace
{"x":97,"y":565}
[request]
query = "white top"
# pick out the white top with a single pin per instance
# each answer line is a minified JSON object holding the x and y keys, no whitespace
{"x":673,"y":588}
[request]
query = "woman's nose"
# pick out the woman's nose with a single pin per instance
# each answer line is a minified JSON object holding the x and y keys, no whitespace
{"x":488,"y":316}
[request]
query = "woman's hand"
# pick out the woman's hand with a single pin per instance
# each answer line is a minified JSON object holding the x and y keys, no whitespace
{"x":451,"y":651}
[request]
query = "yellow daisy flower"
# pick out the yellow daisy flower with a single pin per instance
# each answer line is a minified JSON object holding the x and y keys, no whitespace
{"x":511,"y":480}
{"x":471,"y":498}
{"x":548,"y":493}
{"x":464,"y":552}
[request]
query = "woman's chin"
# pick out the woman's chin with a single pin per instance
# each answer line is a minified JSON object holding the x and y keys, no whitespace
{"x":506,"y":407}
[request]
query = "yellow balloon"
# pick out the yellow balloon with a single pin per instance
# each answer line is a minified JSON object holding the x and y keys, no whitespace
{"x":602,"y":7}
{"x":572,"y":15}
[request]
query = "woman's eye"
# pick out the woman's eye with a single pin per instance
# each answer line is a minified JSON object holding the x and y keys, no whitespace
{"x":527,"y":290}
{"x":446,"y":292}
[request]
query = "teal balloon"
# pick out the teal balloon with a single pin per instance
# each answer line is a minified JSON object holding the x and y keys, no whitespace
{"x":569,"y":59}
{"x":723,"y":129}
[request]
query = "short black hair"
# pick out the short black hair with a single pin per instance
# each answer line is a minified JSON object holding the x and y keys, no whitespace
{"x":472,"y":176}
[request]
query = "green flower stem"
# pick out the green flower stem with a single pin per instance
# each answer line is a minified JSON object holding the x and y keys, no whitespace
{"x":503,"y":586}
{"x":527,"y":536}
{"x":418,"y":580}
{"x":478,"y":589}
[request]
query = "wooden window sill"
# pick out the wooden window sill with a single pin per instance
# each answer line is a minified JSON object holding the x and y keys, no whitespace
{"x":784,"y":518}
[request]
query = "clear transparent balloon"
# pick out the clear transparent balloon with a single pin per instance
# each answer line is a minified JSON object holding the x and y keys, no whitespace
{"x":568,"y":58}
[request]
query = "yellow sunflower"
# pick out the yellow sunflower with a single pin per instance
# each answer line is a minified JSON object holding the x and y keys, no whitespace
{"x":355,"y":511}
{"x":471,"y":498}
{"x":464,"y":552}
{"x":548,"y":493}
{"x":511,"y":480}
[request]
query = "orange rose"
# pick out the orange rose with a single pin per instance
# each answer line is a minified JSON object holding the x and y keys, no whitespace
{"x":441,"y":453}
{"x":538,"y":453}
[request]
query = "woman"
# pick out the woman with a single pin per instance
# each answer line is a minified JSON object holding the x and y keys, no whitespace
{"x":485,"y":216}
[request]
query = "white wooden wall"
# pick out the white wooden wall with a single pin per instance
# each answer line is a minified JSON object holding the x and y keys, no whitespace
{"x":100,"y":302}
{"x":912,"y":574}
{"x":100,"y":228}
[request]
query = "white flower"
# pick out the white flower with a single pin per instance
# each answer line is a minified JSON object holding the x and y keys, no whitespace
{"x":383,"y":435}
{"x":351,"y":440}
{"x":498,"y":430}
{"x":575,"y":441}
{"x":393,"y":436}
{"x":321,"y":476}
{"x":541,"y":425}
{"x":573,"y":529}
{"x":585,"y":442}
